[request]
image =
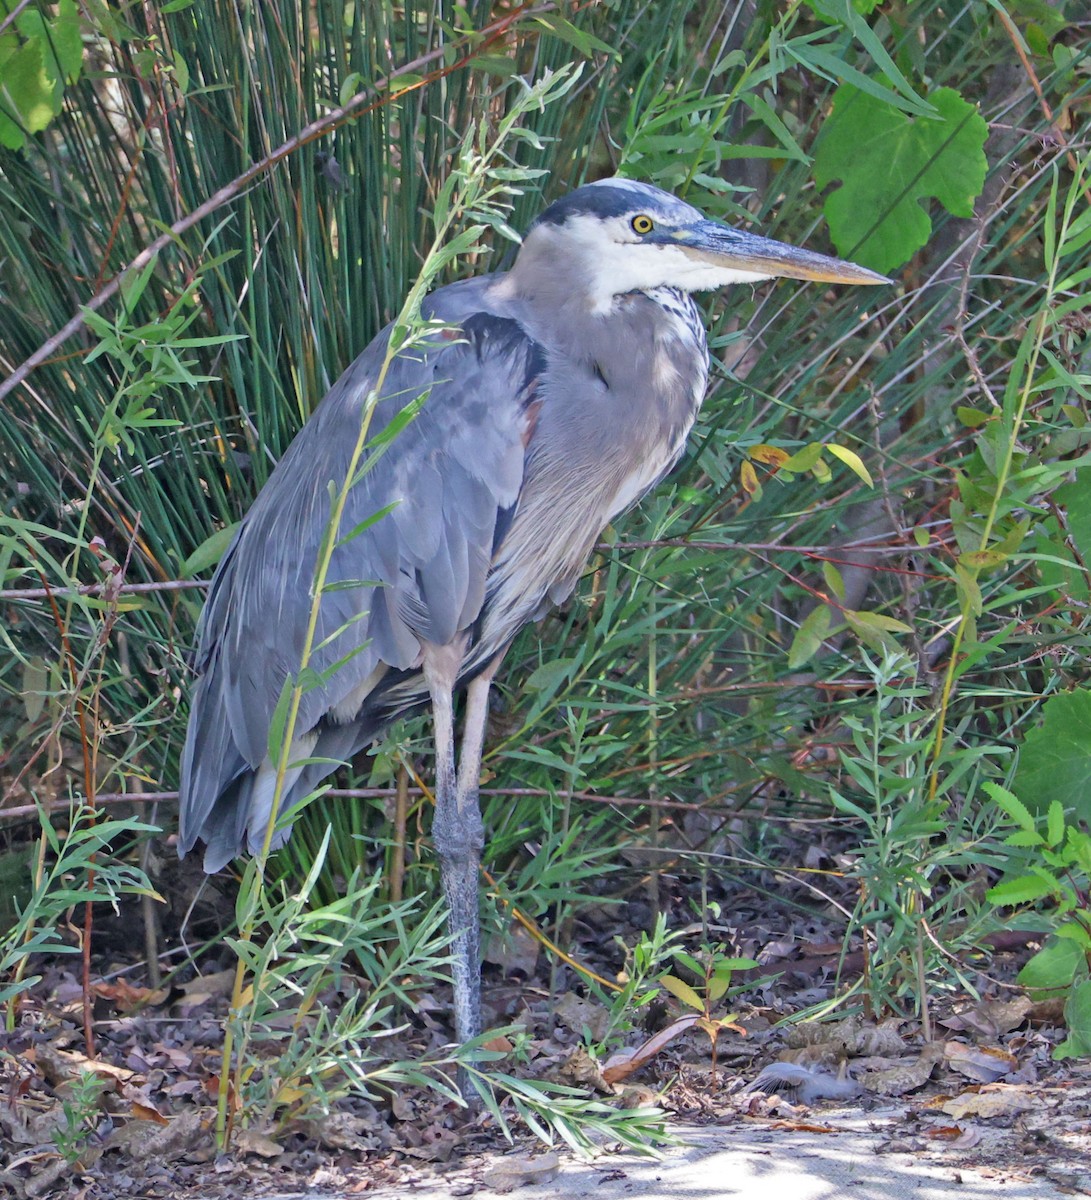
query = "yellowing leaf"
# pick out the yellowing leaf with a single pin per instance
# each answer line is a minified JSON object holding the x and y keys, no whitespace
{"x":772,"y":456}
{"x":821,"y":471}
{"x":977,"y":559}
{"x":749,"y":479}
{"x":852,"y":460}
{"x":682,"y":991}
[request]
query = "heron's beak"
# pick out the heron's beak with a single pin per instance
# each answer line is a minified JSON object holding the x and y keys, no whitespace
{"x":733,"y":250}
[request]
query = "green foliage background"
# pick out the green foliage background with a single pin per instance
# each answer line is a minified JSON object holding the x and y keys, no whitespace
{"x":668,"y":677}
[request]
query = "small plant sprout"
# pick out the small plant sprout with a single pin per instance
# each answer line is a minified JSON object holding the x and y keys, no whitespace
{"x":714,"y":969}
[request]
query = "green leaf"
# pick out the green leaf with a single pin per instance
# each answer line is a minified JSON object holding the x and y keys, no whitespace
{"x":1054,"y":824}
{"x":586,"y":43}
{"x":1077,"y":1016}
{"x":1053,"y":968}
{"x":279,"y":721}
{"x":1027,"y":888}
{"x":973,"y":418}
{"x":550,"y":675}
{"x":1009,"y":803}
{"x":803,"y":460}
{"x":725,"y":967}
{"x":889,"y":165}
{"x":717,"y":986}
{"x":810,"y":635}
{"x":495,"y":64}
{"x":682,"y":991}
{"x":834,"y":582}
{"x":27,"y":91}
{"x":876,"y":620}
{"x":209,"y":552}
{"x":1055,"y":762}
{"x":968,"y":590}
{"x":1075,"y":497}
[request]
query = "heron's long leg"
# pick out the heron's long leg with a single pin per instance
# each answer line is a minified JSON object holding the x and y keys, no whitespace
{"x":458,"y":835}
{"x":473,"y":736}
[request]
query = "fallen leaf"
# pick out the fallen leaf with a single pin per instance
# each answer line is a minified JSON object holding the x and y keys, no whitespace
{"x":998,"y":1101}
{"x":252,"y":1141}
{"x":516,"y":951}
{"x":580,"y":1068}
{"x":511,"y":1173}
{"x":199,"y":991}
{"x":146,"y":1141}
{"x":904,"y":1077}
{"x":621,"y":1065}
{"x":125,"y":998}
{"x":991,"y":1017}
{"x":435,"y":1145}
{"x":578,"y":1013}
{"x":147,"y":1112}
{"x":982,"y":1064}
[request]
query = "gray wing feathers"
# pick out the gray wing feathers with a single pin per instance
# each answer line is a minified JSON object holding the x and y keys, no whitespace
{"x":416,"y":574}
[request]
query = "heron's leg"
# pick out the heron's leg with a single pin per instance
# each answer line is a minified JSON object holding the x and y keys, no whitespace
{"x":473,"y":736}
{"x":458,"y":836}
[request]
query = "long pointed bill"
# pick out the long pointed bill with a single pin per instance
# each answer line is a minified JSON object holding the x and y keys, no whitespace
{"x":733,"y":250}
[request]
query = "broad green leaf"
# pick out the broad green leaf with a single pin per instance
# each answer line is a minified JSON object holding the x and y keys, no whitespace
{"x":880,"y":621}
{"x":550,"y":675}
{"x":1054,"y":966}
{"x":1055,"y":762}
{"x":495,"y":64}
{"x":35,"y":683}
{"x":968,"y":590}
{"x":725,"y":967}
{"x":1075,"y":497}
{"x":889,"y":165}
{"x":28,"y":93}
{"x":1077,"y":1016}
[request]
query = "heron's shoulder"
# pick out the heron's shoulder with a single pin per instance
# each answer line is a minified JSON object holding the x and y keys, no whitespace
{"x":487,"y":318}
{"x":457,"y":302}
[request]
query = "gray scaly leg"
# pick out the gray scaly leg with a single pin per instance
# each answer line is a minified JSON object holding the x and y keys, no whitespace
{"x":458,"y":835}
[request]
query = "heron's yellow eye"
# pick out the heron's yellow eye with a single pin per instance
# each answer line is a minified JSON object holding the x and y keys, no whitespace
{"x":642,"y":224}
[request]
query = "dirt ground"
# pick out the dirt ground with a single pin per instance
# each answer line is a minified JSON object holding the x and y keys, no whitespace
{"x":982,"y":1092}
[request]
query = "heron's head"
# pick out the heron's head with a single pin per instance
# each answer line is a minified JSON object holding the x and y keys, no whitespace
{"x":620,"y":236}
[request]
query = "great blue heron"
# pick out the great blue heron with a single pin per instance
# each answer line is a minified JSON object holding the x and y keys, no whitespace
{"x":565,"y":389}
